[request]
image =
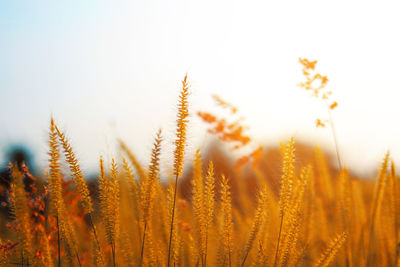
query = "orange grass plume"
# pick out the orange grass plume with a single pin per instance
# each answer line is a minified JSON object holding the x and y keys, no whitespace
{"x":183,"y":113}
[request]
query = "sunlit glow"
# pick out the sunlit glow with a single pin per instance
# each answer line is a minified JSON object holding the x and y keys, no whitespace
{"x":107,"y":70}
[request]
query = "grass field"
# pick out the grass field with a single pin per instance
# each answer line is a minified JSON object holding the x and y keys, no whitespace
{"x":283,"y":206}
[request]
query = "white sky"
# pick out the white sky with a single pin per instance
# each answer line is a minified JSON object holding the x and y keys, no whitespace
{"x":105,"y":69}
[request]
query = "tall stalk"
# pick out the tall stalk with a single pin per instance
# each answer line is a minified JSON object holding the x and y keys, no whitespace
{"x":335,"y":140}
{"x":142,"y":249}
{"x":183,"y":113}
{"x":172,"y":222}
{"x":58,"y":243}
{"x":279,"y":239}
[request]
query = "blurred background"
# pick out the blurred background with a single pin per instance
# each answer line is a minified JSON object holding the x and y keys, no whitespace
{"x":108,"y":70}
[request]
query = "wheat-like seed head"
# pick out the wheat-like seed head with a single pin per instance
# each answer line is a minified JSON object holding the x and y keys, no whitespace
{"x":54,"y":174}
{"x":148,"y":186}
{"x":109,"y":201}
{"x":66,"y":228}
{"x":133,"y":187}
{"x":97,"y":254}
{"x":288,"y":173}
{"x":258,"y":221}
{"x":183,"y":113}
{"x":76,"y":172}
{"x":227,"y":224}
{"x":20,"y":211}
{"x":293,"y":218}
{"x":380,"y":187}
{"x":328,"y":255}
{"x":198,"y":197}
{"x":68,"y":235}
{"x":209,"y":200}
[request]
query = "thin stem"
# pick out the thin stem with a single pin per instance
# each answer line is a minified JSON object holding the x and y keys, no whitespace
{"x":139,"y":230}
{"x":369,"y":246}
{"x":339,"y":159}
{"x":245,"y":257}
{"x":113,"y":252}
{"x":172,"y":222}
{"x":14,"y":263}
{"x":279,"y":239}
{"x":142,"y":250}
{"x":347,"y":243}
{"x":229,"y":254}
{"x":94,"y":229}
{"x":58,"y":243}
{"x":77,"y":257}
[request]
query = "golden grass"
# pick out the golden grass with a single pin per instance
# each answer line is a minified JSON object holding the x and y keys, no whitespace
{"x":272,"y":212}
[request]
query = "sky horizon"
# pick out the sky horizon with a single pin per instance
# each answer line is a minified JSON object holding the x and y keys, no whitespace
{"x":107,"y":71}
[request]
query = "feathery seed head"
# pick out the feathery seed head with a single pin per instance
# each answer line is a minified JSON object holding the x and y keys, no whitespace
{"x":227,"y":224}
{"x":328,"y":255}
{"x":154,"y":166}
{"x":20,"y":210}
{"x":148,"y":186}
{"x":54,"y":175}
{"x":77,"y":174}
{"x":183,"y":113}
{"x":109,"y":201}
{"x":288,"y":174}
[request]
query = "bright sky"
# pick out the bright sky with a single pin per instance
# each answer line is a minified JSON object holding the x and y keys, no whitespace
{"x":107,"y":69}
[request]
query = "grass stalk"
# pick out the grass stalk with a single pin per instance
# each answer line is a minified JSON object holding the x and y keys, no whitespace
{"x":142,"y":249}
{"x":279,"y":239}
{"x":94,"y":229}
{"x":335,"y":140}
{"x":205,"y":254}
{"x":172,"y":222}
{"x":77,"y":257}
{"x":58,"y":243}
{"x":113,"y":252}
